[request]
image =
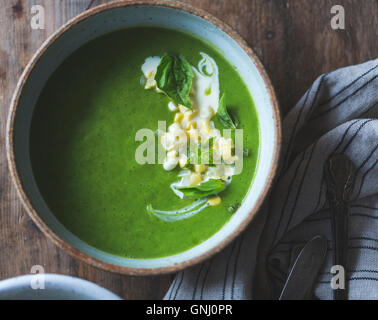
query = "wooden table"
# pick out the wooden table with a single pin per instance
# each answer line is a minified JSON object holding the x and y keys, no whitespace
{"x":293,"y":38}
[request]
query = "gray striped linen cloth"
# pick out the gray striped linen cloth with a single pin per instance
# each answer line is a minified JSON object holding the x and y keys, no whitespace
{"x":337,"y":115}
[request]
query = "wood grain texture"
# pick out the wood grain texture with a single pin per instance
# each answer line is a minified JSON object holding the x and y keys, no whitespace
{"x":293,"y":38}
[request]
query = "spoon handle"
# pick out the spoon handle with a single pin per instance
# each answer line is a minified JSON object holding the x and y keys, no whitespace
{"x":339,"y":176}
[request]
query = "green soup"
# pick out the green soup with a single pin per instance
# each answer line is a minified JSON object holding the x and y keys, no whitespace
{"x":82,"y":146}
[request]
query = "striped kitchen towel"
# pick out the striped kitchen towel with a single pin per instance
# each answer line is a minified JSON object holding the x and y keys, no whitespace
{"x":337,"y":115}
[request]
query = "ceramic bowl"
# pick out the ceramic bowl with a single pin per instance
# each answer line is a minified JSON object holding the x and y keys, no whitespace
{"x":52,"y":287}
{"x":107,"y":18}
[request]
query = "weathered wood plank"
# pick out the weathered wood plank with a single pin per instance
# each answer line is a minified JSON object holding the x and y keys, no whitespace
{"x":293,"y":39}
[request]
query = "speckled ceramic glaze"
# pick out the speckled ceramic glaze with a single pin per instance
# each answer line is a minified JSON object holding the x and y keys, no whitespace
{"x":105,"y":19}
{"x":52,"y":287}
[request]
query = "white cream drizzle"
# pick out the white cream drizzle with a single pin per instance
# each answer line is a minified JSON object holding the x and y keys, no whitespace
{"x":180,"y":214}
{"x":206,"y":87}
{"x":150,"y":66}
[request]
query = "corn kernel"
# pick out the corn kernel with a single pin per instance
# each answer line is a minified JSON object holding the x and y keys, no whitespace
{"x":205,"y":126}
{"x":170,"y":163}
{"x":178,"y":117}
{"x":195,"y":178}
{"x":182,"y":108}
{"x":199,"y":168}
{"x":167,"y":142}
{"x":194,"y":136}
{"x":190,"y":125}
{"x":183,"y":161}
{"x":172,"y":154}
{"x":215,"y":201}
{"x":188,"y":115}
{"x":150,"y":83}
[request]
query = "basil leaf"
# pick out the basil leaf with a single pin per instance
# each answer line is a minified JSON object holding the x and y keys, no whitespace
{"x":204,"y":189}
{"x":225,"y":118}
{"x":174,"y":76}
